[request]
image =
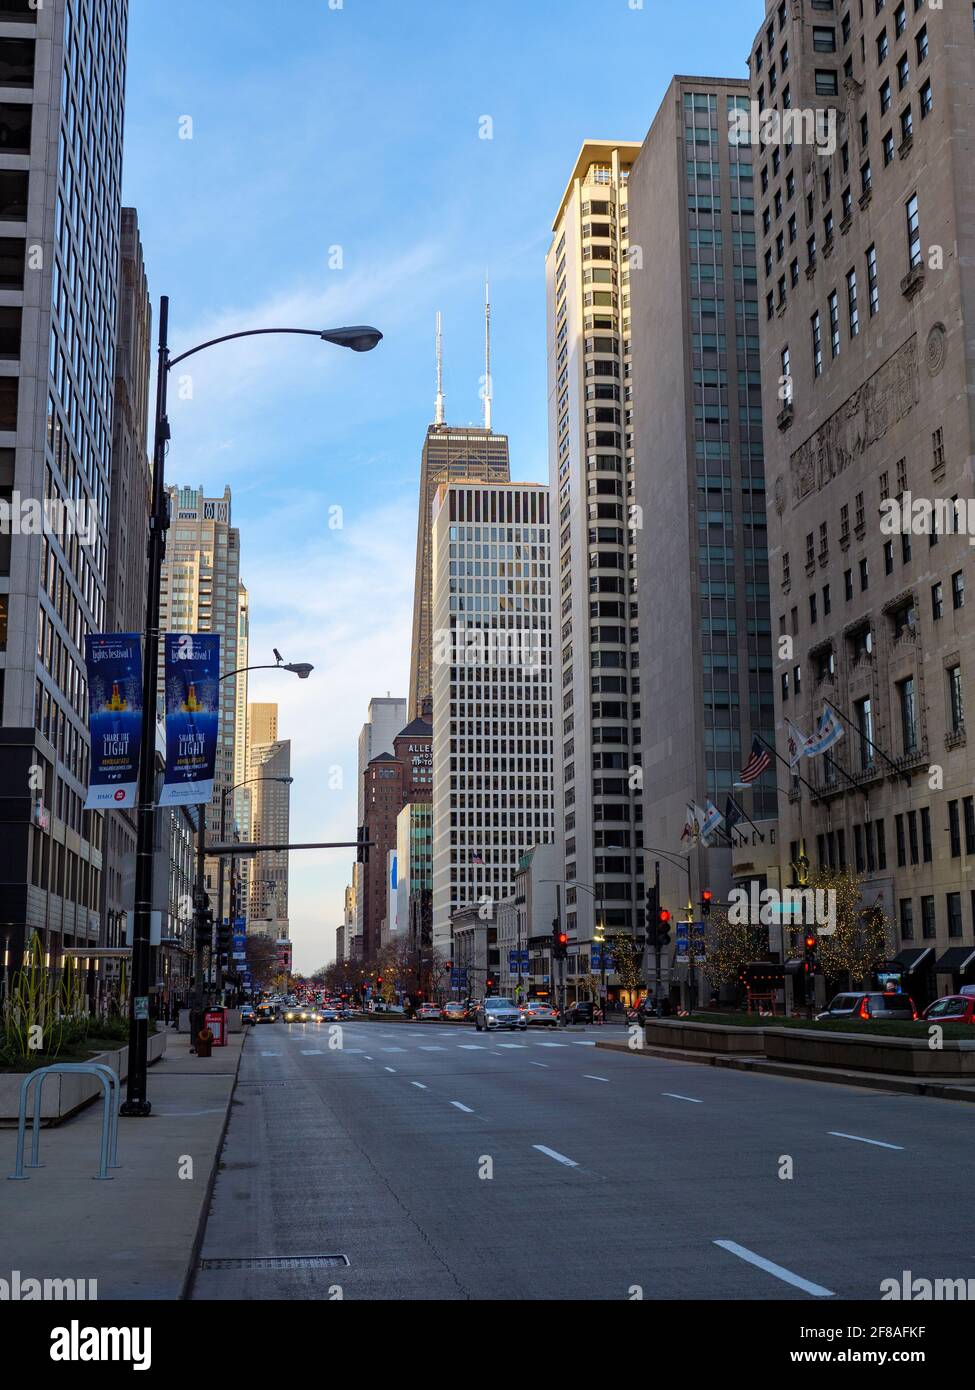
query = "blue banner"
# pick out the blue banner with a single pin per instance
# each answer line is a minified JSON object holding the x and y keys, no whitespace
{"x":192,"y":717}
{"x":114,"y":665}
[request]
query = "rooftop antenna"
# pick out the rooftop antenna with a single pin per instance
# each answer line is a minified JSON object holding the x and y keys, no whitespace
{"x":487,"y":352}
{"x":439,"y":415}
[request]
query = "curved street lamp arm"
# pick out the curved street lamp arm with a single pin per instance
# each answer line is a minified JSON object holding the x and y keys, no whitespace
{"x":678,"y":861}
{"x":229,"y":337}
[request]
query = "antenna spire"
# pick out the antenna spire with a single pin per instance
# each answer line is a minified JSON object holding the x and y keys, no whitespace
{"x":439,"y":413}
{"x":488,"y":390}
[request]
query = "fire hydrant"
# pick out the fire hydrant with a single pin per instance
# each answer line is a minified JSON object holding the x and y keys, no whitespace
{"x":204,"y":1043}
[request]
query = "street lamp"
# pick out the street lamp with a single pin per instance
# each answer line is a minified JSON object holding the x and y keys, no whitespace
{"x":358,"y":339}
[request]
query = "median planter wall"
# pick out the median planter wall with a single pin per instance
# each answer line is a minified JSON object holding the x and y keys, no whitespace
{"x":703,"y":1037}
{"x":68,"y":1092}
{"x":857,"y":1052}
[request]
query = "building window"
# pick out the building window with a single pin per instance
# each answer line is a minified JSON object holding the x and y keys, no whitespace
{"x":903,"y":72}
{"x":872,"y":281}
{"x":937,"y":601}
{"x":927,"y":100}
{"x":863,"y":710}
{"x":908,"y":712}
{"x":907,"y":919}
{"x":958,"y":590}
{"x":954,"y":830}
{"x":817,"y":338}
{"x":956,"y":700}
{"x":954,"y":916}
{"x":929,"y":925}
{"x":913,"y":231}
{"x":827,"y":82}
{"x":852,"y":302}
{"x":834,"y":323}
{"x":926,"y":834}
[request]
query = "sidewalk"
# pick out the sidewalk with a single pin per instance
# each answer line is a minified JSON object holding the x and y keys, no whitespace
{"x":139,"y":1232}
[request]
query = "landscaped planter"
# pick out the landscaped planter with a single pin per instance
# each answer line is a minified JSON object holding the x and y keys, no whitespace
{"x":856,"y":1052}
{"x":703,"y":1037}
{"x":66,"y":1092}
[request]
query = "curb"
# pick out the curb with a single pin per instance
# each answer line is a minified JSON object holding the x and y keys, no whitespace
{"x":189,"y":1278}
{"x":873,"y":1081}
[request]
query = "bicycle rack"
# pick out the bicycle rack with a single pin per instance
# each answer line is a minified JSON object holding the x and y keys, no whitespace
{"x":112,"y":1094}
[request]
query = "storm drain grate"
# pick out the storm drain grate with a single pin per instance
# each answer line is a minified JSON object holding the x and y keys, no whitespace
{"x":279,"y":1262}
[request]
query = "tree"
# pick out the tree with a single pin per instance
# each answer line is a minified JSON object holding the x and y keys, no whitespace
{"x":629,"y":964}
{"x":863,"y":930}
{"x":262,"y":958}
{"x":731,"y":946}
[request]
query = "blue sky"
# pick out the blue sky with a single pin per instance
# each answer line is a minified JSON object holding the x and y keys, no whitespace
{"x":357,"y":127}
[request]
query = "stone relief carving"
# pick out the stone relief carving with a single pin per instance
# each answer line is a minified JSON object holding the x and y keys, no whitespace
{"x":870,"y":413}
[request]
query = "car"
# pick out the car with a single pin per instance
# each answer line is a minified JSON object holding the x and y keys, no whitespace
{"x":538,"y":1013}
{"x":297,"y":1015}
{"x":497,"y":1012}
{"x":247,"y":1014}
{"x":872,"y":1006}
{"x":428,"y":1013}
{"x":454,"y":1011}
{"x":581,"y":1011}
{"x":266,"y":1013}
{"x":329,"y":1014}
{"x":951,"y":1008}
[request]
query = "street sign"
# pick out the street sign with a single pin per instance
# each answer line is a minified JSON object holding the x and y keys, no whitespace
{"x":518,"y":962}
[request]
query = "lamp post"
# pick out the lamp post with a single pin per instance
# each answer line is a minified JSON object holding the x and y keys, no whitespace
{"x":358,"y":339}
{"x":680,"y":862}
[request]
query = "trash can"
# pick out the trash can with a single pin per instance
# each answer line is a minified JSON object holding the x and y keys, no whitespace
{"x":216,"y":1021}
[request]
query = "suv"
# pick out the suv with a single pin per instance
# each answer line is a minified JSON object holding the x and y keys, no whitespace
{"x":496,"y":1012}
{"x":872,"y":1007}
{"x":581,"y":1011}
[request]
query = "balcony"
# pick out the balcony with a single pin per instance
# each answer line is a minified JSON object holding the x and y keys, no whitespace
{"x":955,"y":738}
{"x":913,"y":282}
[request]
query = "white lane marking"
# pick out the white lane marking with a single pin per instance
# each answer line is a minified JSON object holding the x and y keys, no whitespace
{"x":877,"y":1143}
{"x":786,"y":1275}
{"x":594,"y":1078}
{"x":186,"y":1114}
{"x":559,"y":1158}
{"x":270,"y":1054}
{"x":387,"y":1035}
{"x":428,"y":1048}
{"x":419,"y":1085}
{"x":394,"y":1049}
{"x":367,"y":1058}
{"x":466,"y":1108}
{"x":471,"y":1047}
{"x":512,"y":1044}
{"x":392,"y":1069}
{"x":538,"y":1064}
{"x":312,"y":1052}
{"x":352,"y":1051}
{"x":551,"y":1044}
{"x":577,"y":1043}
{"x":674,"y":1096}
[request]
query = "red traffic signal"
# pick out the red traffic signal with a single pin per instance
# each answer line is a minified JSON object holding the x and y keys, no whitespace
{"x":810,"y":942}
{"x":563,"y":938}
{"x":664,"y":916}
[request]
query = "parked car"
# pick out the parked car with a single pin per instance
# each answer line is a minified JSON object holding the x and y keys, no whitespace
{"x":951,"y":1008}
{"x":580,"y":1012}
{"x":497,"y":1012}
{"x":454,"y":1011}
{"x":428,"y":1013}
{"x":538,"y":1013}
{"x":872,"y":1006}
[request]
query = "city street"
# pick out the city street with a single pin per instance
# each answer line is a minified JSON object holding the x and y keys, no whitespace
{"x":611,"y":1174}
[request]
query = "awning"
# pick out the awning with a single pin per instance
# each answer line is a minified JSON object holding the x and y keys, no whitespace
{"x":911,"y":960}
{"x":795,"y":967}
{"x":956,"y":958}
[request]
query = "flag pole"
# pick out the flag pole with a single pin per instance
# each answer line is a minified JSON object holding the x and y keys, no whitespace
{"x":815,"y":794}
{"x":746,"y":816}
{"x":900,"y":771}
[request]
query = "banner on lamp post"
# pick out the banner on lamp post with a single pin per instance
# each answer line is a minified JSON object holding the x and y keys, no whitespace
{"x":114,"y":666}
{"x":192,"y":670}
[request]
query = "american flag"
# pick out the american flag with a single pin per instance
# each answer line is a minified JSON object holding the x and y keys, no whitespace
{"x":758,"y":761}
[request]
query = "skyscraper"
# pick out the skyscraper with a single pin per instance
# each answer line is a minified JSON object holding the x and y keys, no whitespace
{"x":450,"y":454}
{"x":591,"y":474}
{"x":127,"y":537}
{"x":493,"y":748}
{"x":705,"y":647}
{"x":61,"y":113}
{"x":868,"y":355}
{"x":199,"y":592}
{"x":268,"y":768}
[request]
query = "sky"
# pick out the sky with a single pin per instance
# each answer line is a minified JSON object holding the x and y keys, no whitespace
{"x":317,"y":163}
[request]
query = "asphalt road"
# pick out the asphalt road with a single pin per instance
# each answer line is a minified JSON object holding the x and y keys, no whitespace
{"x":446,"y":1164}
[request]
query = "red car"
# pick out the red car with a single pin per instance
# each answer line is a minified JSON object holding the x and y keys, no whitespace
{"x":951,"y":1008}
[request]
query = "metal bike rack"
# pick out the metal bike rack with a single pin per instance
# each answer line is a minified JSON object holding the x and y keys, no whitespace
{"x":111,"y":1092}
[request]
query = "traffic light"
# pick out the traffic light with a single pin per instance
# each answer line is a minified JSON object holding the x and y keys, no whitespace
{"x":362,"y":845}
{"x":489,"y":983}
{"x":224,"y":938}
{"x":204,"y":927}
{"x":809,"y":945}
{"x":563,"y":945}
{"x":379,"y":981}
{"x":663,"y":928}
{"x":706,"y":896}
{"x":653,"y":906}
